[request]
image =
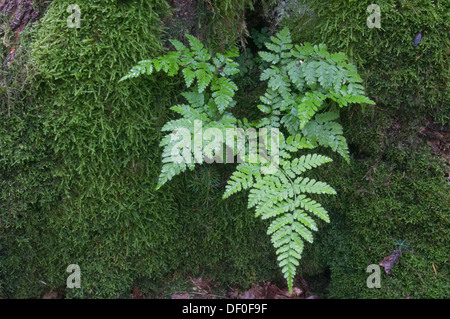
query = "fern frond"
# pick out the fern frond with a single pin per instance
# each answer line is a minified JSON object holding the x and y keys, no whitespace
{"x":313,"y":207}
{"x":305,"y":219}
{"x":174,"y":125}
{"x":223,"y":93}
{"x":296,"y":74}
{"x":176,"y":155}
{"x":178,"y":45}
{"x":143,"y":67}
{"x":242,"y":178}
{"x":203,"y":79}
{"x":282,"y":197}
{"x":301,"y":81}
{"x":306,"y":162}
{"x":269,"y":57}
{"x":294,"y":143}
{"x":282,"y":39}
{"x":189,"y":76}
{"x":169,"y":170}
{"x":268,"y":73}
{"x":309,"y":105}
{"x":279,"y":83}
{"x":194,"y":98}
{"x":189,"y":112}
{"x":307,"y":185}
{"x":324,"y":131}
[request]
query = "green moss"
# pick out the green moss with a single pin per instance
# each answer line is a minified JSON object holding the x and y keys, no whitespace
{"x":400,"y":200}
{"x":218,"y":24}
{"x":81,"y":159}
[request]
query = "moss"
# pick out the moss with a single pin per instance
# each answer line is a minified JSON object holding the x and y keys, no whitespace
{"x":399,"y":200}
{"x":81,"y":159}
{"x":218,"y":24}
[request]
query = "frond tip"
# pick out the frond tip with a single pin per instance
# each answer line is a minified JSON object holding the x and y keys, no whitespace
{"x":282,"y":198}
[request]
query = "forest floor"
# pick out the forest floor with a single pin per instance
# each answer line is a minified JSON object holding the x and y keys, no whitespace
{"x":204,"y":288}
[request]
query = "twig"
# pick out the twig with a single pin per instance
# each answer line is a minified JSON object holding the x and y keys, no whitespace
{"x":222,"y":183}
{"x":209,"y":2}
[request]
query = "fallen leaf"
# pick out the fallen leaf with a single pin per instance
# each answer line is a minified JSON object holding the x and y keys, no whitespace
{"x":137,"y":293}
{"x":389,"y":261}
{"x":283,"y":294}
{"x":202,"y":284}
{"x":234,"y":294}
{"x":53,"y":294}
{"x":256,"y":292}
{"x":296,"y":292}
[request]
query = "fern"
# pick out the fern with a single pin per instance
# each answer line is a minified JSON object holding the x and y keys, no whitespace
{"x":306,"y":87}
{"x":282,"y":198}
{"x":202,"y":72}
{"x":324,"y":131}
{"x":223,"y":92}
{"x":306,"y":77}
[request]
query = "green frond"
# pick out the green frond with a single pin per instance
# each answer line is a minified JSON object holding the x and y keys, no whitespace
{"x":269,"y":57}
{"x":273,"y":47}
{"x":296,"y":74}
{"x":313,"y":207}
{"x":194,"y":98}
{"x":307,"y":185}
{"x":169,"y":170}
{"x":143,"y":67}
{"x":324,"y":131}
{"x":174,"y":125}
{"x":279,"y":83}
{"x":302,"y":231}
{"x":295,"y":142}
{"x":304,"y":82}
{"x":308,"y":107}
{"x":305,"y":220}
{"x":189,"y":112}
{"x":276,"y":224}
{"x":242,"y":178}
{"x":189,"y":76}
{"x":203,"y":79}
{"x":307,"y":162}
{"x":283,"y":39}
{"x":195,"y":44}
{"x":178,"y":45}
{"x":223,"y":93}
{"x":268,"y":73}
